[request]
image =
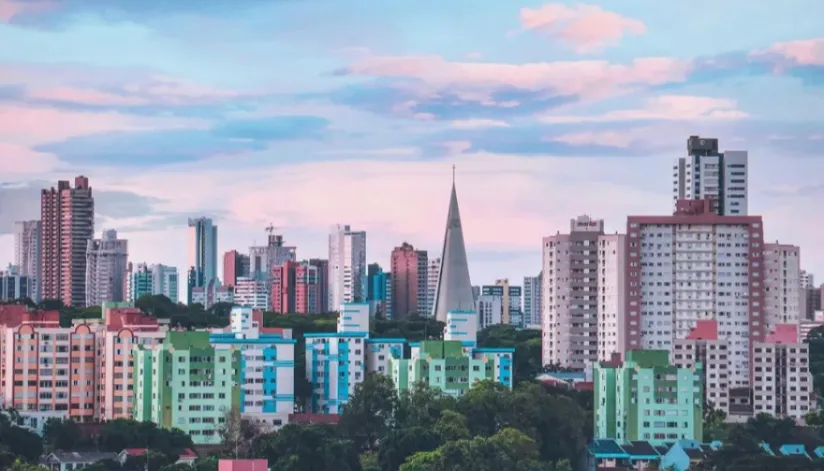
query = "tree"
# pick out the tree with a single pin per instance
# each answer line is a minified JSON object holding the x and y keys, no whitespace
{"x":236,"y":434}
{"x":61,"y":434}
{"x":17,"y":443}
{"x":115,"y":435}
{"x":527,"y":345}
{"x":307,"y":448}
{"x":369,"y":414}
{"x":23,"y":466}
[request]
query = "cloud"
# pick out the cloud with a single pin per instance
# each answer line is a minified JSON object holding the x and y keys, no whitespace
{"x":664,"y":107}
{"x":225,"y":138}
{"x":805,"y":52}
{"x":11,"y":9}
{"x":587,"y":28}
{"x":17,"y":160}
{"x":479,"y":123}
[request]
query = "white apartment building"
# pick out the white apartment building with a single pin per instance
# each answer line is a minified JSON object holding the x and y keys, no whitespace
{"x":782,"y":284}
{"x":532,"y":300}
{"x":570,"y":295}
{"x":347,"y":266}
{"x":490,"y":308}
{"x":27,"y":255}
{"x":611,"y":295}
{"x":703,"y":346}
{"x":782,"y":382}
{"x":432,"y":271}
{"x":691,"y":266}
{"x":106,"y":262}
{"x":707,"y":173}
{"x":251,"y":292}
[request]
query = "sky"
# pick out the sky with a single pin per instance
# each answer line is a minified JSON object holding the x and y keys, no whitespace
{"x":308,"y":113}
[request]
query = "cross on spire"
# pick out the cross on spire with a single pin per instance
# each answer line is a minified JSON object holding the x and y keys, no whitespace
{"x":453,"y":174}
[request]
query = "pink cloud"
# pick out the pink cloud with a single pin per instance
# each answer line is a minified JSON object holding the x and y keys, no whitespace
{"x":589,"y":78}
{"x":665,"y":107}
{"x":26,"y":125}
{"x":801,"y":52}
{"x":11,"y":8}
{"x":479,"y":123}
{"x":20,"y":160}
{"x":587,"y":28}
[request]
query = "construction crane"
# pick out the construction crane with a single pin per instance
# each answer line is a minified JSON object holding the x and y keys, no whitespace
{"x":271,"y":228}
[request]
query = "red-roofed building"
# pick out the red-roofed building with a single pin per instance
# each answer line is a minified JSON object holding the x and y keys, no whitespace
{"x":187,"y":457}
{"x":782,"y":382}
{"x":243,"y":465}
{"x":702,"y":346}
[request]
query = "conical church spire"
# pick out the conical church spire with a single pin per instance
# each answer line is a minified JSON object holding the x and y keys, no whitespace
{"x":454,"y":292}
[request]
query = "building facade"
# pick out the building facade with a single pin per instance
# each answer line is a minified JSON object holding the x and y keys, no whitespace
{"x":532,"y":300}
{"x":782,"y":285}
{"x":154,"y":279}
{"x":235,"y":265}
{"x":709,"y":174}
{"x":611,"y":295}
{"x":27,"y":250}
{"x":499,"y":304}
{"x":14,"y":285}
{"x":347,"y":266}
{"x":67,"y":224}
{"x":646,"y":398}
{"x":106,"y":267}
{"x":408,"y":280}
{"x":202,"y":253}
{"x":696,"y":265}
{"x":193,"y":380}
{"x":379,"y":291}
{"x":433,"y":269}
{"x":571,"y":284}
{"x":251,"y":292}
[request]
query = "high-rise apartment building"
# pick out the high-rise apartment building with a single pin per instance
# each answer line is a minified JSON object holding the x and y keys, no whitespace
{"x":202,"y":253}
{"x":106,"y":264}
{"x":782,"y":287}
{"x":691,"y":266}
{"x":27,"y":249}
{"x":703,"y":348}
{"x":322,"y":267}
{"x":13,"y":284}
{"x":347,"y":266}
{"x":707,"y":173}
{"x":154,"y":280}
{"x":379,"y":291}
{"x":408,"y":280}
{"x":532,"y":300}
{"x":251,"y":292}
{"x":611,"y":295}
{"x":782,"y":383}
{"x":432,"y":271}
{"x":235,"y":265}
{"x":296,"y":288}
{"x":571,"y":291}
{"x":67,"y":224}
{"x":499,"y":304}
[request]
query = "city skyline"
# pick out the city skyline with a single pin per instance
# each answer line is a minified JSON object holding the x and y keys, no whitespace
{"x":365,"y":127}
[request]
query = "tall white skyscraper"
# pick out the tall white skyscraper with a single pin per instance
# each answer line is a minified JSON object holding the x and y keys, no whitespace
{"x":347,"y":266}
{"x":707,"y":173}
{"x":532,"y":300}
{"x":202,"y":253}
{"x":106,"y":263}
{"x":611,"y":295}
{"x":27,"y":251}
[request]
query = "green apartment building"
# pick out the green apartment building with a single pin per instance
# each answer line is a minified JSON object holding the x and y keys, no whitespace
{"x":451,"y":366}
{"x":187,"y":384}
{"x":645,"y":398}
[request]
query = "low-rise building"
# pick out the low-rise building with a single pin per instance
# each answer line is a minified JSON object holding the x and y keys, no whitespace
{"x":647,"y":398}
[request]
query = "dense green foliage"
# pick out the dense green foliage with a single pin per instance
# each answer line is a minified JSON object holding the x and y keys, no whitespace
{"x":816,"y":341}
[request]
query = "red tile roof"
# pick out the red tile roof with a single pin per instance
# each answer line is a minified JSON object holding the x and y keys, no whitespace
{"x":784,"y":333}
{"x":14,"y":315}
{"x":704,"y":330}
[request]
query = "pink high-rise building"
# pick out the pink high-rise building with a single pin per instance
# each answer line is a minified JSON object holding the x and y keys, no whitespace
{"x":408,"y":280}
{"x":235,"y":265}
{"x":67,"y":216}
{"x":297,"y":288}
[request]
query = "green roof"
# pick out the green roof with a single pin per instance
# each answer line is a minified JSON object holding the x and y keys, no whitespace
{"x":442,"y":348}
{"x":188,"y":340}
{"x":648,"y":358}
